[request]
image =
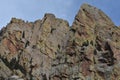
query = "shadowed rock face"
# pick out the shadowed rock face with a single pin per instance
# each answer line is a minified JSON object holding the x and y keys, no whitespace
{"x":49,"y":49}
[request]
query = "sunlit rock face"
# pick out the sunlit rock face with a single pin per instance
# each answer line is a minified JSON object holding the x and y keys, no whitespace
{"x":49,"y":49}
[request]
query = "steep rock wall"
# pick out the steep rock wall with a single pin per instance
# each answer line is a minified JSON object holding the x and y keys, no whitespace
{"x":49,"y":49}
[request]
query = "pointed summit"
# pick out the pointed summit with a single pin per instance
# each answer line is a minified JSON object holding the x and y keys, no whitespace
{"x":49,"y":49}
{"x":90,"y":15}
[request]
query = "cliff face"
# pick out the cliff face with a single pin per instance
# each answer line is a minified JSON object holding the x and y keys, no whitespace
{"x":49,"y":49}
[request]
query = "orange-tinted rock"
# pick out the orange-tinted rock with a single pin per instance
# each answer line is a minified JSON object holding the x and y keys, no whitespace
{"x":49,"y":49}
{"x":12,"y":48}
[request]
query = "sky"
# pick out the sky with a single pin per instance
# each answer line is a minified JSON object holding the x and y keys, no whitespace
{"x":31,"y":10}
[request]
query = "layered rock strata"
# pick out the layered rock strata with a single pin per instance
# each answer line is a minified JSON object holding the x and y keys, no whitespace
{"x":49,"y":49}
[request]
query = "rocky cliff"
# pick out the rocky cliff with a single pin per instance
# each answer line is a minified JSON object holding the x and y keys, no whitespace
{"x":49,"y":49}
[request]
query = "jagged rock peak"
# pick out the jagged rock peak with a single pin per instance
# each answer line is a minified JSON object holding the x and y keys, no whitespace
{"x":49,"y":15}
{"x":90,"y":16}
{"x":15,"y":20}
{"x":49,"y":49}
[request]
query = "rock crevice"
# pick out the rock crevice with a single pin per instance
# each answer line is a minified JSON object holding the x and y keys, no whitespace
{"x":49,"y":49}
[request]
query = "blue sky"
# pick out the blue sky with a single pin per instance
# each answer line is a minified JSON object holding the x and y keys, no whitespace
{"x":31,"y":10}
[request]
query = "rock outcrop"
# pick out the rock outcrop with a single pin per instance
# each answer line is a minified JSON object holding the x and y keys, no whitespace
{"x":49,"y":49}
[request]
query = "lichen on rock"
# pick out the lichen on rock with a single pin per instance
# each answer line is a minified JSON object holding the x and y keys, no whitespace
{"x":49,"y":49}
